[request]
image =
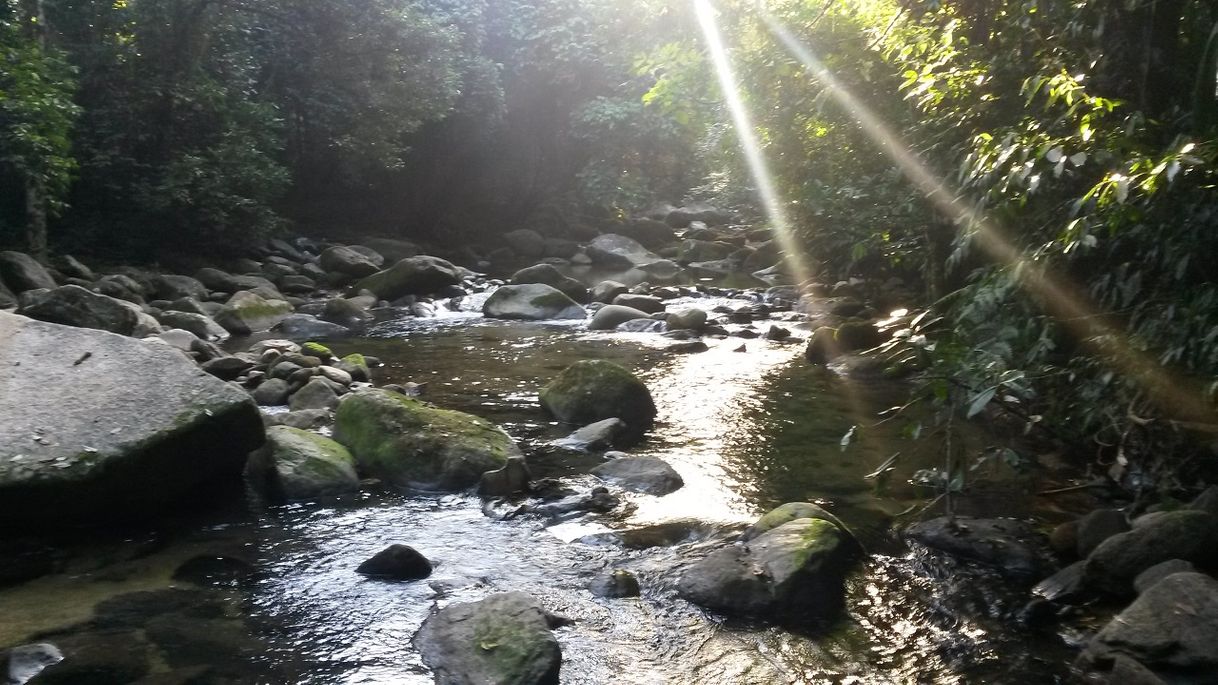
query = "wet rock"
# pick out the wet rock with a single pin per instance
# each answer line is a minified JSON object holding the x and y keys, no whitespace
{"x":597,"y":500}
{"x":186,"y":640}
{"x":858,"y":335}
{"x":822,"y":346}
{"x":1063,"y":586}
{"x":345,"y":312}
{"x":618,"y":251}
{"x":791,"y":511}
{"x":72,"y":305}
{"x":349,"y":262}
{"x":606,"y":291}
{"x":23,"y":662}
{"x":210,"y":570}
{"x":643,"y":326}
{"x":594,"y":390}
{"x":21,"y":272}
{"x":532,"y":301}
{"x":595,"y":436}
{"x":546,"y":274}
{"x":1098,"y":526}
{"x":615,"y":584}
{"x":1063,"y":539}
{"x":306,"y":327}
{"x":1012,"y":547}
{"x":246,"y":313}
{"x":1187,"y":534}
{"x":72,"y":266}
{"x":698,"y":211}
{"x":504,"y":639}
{"x":227,"y":368}
{"x":687,"y":319}
{"x":96,"y":658}
{"x":397,"y":562}
{"x":316,"y":394}
{"x":1171,"y":629}
{"x":514,"y":477}
{"x":419,"y":275}
{"x":777,"y":333}
{"x":611,"y":316}
{"x":648,"y":475}
{"x":297,"y":464}
{"x":1146,"y":579}
{"x":642,"y":303}
{"x":410,"y":443}
{"x":132,"y":447}
{"x":796,"y":570}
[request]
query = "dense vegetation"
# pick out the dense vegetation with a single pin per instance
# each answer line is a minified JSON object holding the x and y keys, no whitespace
{"x":1056,"y":203}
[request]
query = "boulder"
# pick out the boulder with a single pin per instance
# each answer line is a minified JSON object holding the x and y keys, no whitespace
{"x":615,"y":584}
{"x":648,"y":475}
{"x":648,"y":232}
{"x":1012,"y":547}
{"x":594,"y":390}
{"x":297,"y":464}
{"x":643,"y":303}
{"x":72,"y":266}
{"x":21,"y":272}
{"x":687,"y":319}
{"x":173,"y":286}
{"x":618,"y":251}
{"x":533,"y":301}
{"x":514,"y":477}
{"x":795,"y":572}
{"x":504,"y":639}
{"x":526,"y":243}
{"x":306,"y":327}
{"x":606,"y":291}
{"x":345,"y":312}
{"x":8,"y":300}
{"x":413,"y":444}
{"x":349,"y":262}
{"x":72,"y":305}
{"x":396,"y":562}
{"x":224,"y":282}
{"x":316,"y":394}
{"x":1148,"y":578}
{"x":596,"y":436}
{"x":1170,"y":629}
{"x":411,"y":276}
{"x":227,"y":367}
{"x":698,"y":211}
{"x":204,"y":327}
{"x":704,"y":251}
{"x":392,"y":250}
{"x":246,"y":313}
{"x":549,"y":275}
{"x":611,"y":316}
{"x":273,"y":392}
{"x":1186,"y":534}
{"x":305,"y":419}
{"x":1098,"y":526}
{"x":131,"y":446}
{"x":790,"y":511}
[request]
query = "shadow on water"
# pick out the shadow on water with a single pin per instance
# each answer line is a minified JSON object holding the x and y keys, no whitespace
{"x":746,"y":430}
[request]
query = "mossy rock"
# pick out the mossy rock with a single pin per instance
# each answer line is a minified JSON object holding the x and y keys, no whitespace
{"x":594,"y":390}
{"x":356,"y":359}
{"x":413,"y":444}
{"x":785,"y":513}
{"x":298,"y":464}
{"x":316,"y":349}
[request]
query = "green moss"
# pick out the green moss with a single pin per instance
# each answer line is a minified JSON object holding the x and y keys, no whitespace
{"x":555,"y":300}
{"x":593,"y":390}
{"x":510,"y":647}
{"x":316,"y":349}
{"x":357,"y":359}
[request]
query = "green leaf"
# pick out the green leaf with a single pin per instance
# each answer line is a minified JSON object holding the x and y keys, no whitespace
{"x":980,"y":400}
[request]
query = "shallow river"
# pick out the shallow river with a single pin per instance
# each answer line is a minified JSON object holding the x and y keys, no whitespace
{"x":747,"y":430}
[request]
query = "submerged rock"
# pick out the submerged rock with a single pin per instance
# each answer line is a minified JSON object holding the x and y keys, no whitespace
{"x":297,"y":464}
{"x":594,"y":390}
{"x":504,"y":639}
{"x":127,"y":448}
{"x":410,"y":443}
{"x":397,"y":562}
{"x":533,"y":302}
{"x":615,"y":584}
{"x":1012,"y":547}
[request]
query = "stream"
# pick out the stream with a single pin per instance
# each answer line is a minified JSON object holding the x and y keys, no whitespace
{"x":247,"y":593}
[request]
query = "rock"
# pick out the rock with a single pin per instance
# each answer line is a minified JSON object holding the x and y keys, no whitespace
{"x":795,"y":571}
{"x":526,"y":243}
{"x":204,"y":327}
{"x":72,"y":266}
{"x":594,"y":390}
{"x":687,"y":319}
{"x":272,"y":392}
{"x":1207,"y":501}
{"x":72,"y":305}
{"x":533,"y":301}
{"x":1063,"y":586}
{"x":345,"y":312}
{"x":8,"y":300}
{"x":514,"y":477}
{"x":337,"y":375}
{"x":611,"y":316}
{"x":615,"y":584}
{"x":174,"y":286}
{"x":316,"y":350}
{"x":777,"y":333}
{"x":305,"y":419}
{"x":316,"y":394}
{"x":1097,"y":527}
{"x":21,"y":272}
{"x":246,"y":313}
{"x":297,"y":284}
{"x":396,"y":562}
{"x":606,"y":291}
{"x":618,"y":251}
{"x":1186,"y":534}
{"x":222,"y":281}
{"x":411,"y":276}
{"x":858,"y":335}
{"x":227,"y":368}
{"x":704,"y":251}
{"x":209,"y":570}
{"x":642,"y":326}
{"x":296,"y":464}
{"x":1146,"y":579}
{"x":1012,"y":547}
{"x":410,"y":443}
{"x":349,"y":262}
{"x":305,"y":327}
{"x":95,"y":658}
{"x":648,"y":475}
{"x":392,"y":250}
{"x":648,"y":232}
{"x":548,"y":275}
{"x":596,"y":436}
{"x":698,"y":211}
{"x":23,"y":662}
{"x":643,"y":303}
{"x":1063,"y":539}
{"x":132,"y":447}
{"x":504,"y":639}
{"x":1171,"y":629}
{"x":790,"y":511}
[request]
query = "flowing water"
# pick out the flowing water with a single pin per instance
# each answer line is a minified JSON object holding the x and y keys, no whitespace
{"x":269,"y":594}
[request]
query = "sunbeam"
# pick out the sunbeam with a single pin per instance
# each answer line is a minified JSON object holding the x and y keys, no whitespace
{"x":1054,"y":292}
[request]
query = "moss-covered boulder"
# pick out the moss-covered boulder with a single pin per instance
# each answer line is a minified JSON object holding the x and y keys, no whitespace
{"x":297,"y":464}
{"x":547,"y":274}
{"x":504,"y":639}
{"x":533,"y":302}
{"x":411,"y":276}
{"x":794,"y":571}
{"x":594,"y":390}
{"x":789,"y":512}
{"x":99,"y":426}
{"x":413,"y":444}
{"x":246,"y":312}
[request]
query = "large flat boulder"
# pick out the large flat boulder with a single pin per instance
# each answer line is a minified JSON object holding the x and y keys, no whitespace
{"x":532,"y":302}
{"x":100,"y":426}
{"x":420,"y":275}
{"x":413,"y":444}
